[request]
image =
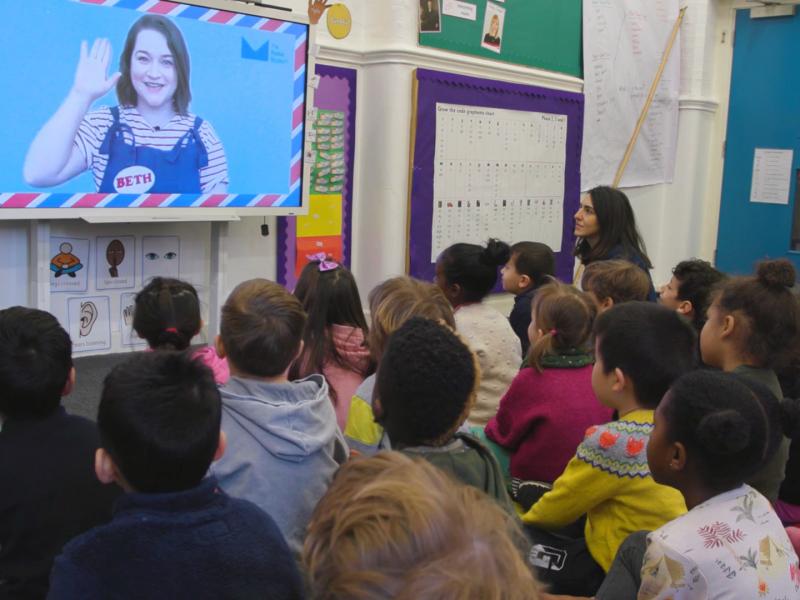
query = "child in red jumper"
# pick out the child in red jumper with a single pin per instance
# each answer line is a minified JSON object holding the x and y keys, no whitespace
{"x":550,"y":404}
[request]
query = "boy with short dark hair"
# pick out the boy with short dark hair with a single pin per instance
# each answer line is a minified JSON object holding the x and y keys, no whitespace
{"x":49,"y":491}
{"x":531,"y":265}
{"x":284,"y":443}
{"x":690,"y":288}
{"x":174,"y":534}
{"x":425,"y":388}
{"x":612,"y":282}
{"x":640,"y":349}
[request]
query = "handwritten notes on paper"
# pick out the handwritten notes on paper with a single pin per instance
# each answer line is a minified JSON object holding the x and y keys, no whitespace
{"x":623,"y":44}
{"x":772,"y":176}
{"x":498,"y":173}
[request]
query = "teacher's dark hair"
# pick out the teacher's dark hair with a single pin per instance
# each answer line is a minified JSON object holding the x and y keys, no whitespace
{"x":180,"y":54}
{"x":617,"y":228}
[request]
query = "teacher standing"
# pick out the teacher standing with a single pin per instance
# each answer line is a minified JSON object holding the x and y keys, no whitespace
{"x":606,"y":230}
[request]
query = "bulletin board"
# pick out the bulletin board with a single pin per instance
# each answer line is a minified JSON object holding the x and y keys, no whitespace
{"x":328,"y":226}
{"x":545,"y":34}
{"x":492,"y":202}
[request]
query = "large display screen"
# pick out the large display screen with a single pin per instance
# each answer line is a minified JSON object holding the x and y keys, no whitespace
{"x":146,"y":103}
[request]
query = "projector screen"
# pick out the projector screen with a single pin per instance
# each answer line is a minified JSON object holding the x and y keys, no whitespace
{"x":124,"y":105}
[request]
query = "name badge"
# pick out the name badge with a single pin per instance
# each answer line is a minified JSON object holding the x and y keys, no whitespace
{"x":134,"y":180}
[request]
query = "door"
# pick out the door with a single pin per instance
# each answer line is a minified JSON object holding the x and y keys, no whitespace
{"x":764,"y":112}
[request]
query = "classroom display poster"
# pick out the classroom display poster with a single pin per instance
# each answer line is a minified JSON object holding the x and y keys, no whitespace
{"x":623,"y":44}
{"x":89,"y":323}
{"x":329,"y":153}
{"x":69,"y":264}
{"x":115,"y":262}
{"x":161,"y":257}
{"x":498,"y":173}
{"x":126,"y":307}
{"x":231,"y":134}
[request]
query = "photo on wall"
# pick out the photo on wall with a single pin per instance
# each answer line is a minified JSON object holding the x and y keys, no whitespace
{"x":493,"y":24}
{"x":430,"y":20}
{"x":89,"y":323}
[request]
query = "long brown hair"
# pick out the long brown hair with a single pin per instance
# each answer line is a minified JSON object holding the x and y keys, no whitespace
{"x":565,"y":315}
{"x":329,"y":298}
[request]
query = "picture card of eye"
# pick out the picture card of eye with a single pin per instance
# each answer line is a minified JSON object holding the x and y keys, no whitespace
{"x":327,"y":145}
{"x":498,"y":173}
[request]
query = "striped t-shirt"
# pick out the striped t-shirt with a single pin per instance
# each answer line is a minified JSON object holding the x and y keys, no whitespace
{"x":95,"y":126}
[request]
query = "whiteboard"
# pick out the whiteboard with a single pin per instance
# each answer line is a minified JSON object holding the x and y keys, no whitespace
{"x":240,"y":130}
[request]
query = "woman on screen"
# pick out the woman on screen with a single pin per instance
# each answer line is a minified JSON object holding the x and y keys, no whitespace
{"x":150,"y":142}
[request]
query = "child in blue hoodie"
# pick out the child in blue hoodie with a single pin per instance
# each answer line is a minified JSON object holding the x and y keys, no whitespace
{"x":283,"y":442}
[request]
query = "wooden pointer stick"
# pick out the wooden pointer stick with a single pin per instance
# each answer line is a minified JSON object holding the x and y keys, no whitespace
{"x":632,"y":143}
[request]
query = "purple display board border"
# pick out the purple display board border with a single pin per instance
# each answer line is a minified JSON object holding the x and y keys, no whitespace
{"x":287,"y":226}
{"x":434,"y":87}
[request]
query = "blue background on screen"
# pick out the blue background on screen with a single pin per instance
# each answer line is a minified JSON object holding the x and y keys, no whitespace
{"x":248,"y":102}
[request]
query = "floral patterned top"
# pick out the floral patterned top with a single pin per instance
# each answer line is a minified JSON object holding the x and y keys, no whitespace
{"x":731,"y":546}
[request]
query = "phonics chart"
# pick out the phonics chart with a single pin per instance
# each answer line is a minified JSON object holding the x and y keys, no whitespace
{"x":498,"y":173}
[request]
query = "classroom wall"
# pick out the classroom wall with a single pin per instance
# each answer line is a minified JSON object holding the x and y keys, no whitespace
{"x":678,"y":220}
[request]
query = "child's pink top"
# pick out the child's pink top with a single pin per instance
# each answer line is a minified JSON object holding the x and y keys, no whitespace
{"x":349,"y":342}
{"x":209,"y":356}
{"x":542,"y":420}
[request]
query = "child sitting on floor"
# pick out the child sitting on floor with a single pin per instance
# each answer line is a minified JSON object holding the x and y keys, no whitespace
{"x":466,"y":273}
{"x":283,"y":442}
{"x":335,"y":335}
{"x":394,"y":528}
{"x":174,"y":534}
{"x":167,"y":315}
{"x":690,"y":288}
{"x":640,"y":349}
{"x":532,"y":264}
{"x":49,"y":490}
{"x":544,"y":414}
{"x":710,"y":434}
{"x":391,"y":303}
{"x":425,"y":388}
{"x":612,"y":282}
{"x":753,"y":327}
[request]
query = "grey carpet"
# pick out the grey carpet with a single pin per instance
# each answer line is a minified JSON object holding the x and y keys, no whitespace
{"x":90,"y":372}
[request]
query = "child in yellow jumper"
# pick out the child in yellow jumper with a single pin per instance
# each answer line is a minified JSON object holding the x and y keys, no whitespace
{"x":640,"y":349}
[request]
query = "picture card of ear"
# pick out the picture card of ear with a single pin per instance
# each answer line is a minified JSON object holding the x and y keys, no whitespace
{"x":89,"y":323}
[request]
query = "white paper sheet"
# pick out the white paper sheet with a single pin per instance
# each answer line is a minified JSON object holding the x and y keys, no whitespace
{"x":498,"y":173}
{"x":69,"y":264}
{"x":623,"y":43}
{"x":460,"y":9}
{"x":161,"y":257}
{"x":772,"y":176}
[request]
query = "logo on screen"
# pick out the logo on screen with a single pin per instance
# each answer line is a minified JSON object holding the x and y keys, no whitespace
{"x":134,"y":180}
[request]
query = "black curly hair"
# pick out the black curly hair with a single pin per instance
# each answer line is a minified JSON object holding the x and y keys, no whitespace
{"x":723,"y":425}
{"x":425,"y":385}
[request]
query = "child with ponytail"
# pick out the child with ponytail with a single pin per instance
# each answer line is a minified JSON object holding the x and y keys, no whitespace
{"x":167,"y":315}
{"x":334,"y":339}
{"x":550,"y":404}
{"x":466,"y":273}
{"x":753,"y":328}
{"x":710,"y":435}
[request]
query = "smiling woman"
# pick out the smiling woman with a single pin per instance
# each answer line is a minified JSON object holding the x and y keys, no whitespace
{"x":150,"y":142}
